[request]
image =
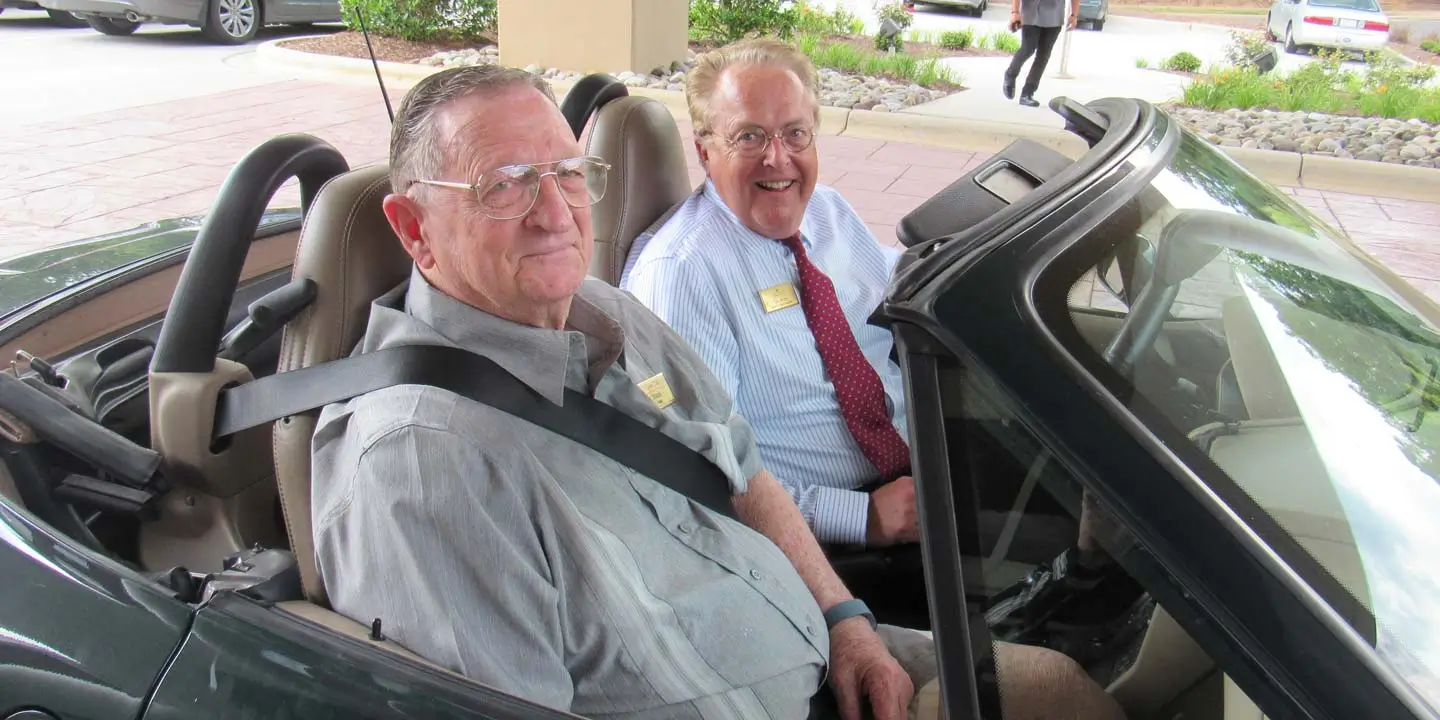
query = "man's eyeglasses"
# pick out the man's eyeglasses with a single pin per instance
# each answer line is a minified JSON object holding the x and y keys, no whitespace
{"x":753,"y":140}
{"x":509,"y":192}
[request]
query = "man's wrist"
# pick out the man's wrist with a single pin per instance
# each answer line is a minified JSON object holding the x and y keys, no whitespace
{"x":847,"y":610}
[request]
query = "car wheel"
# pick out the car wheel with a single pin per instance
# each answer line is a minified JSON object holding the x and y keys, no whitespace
{"x":1097,"y":25}
{"x":65,"y":19}
{"x":1269,"y":30}
{"x":112,"y":26}
{"x":231,"y":22}
{"x":1290,"y":46}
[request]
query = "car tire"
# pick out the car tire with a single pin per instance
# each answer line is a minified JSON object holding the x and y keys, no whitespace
{"x":112,"y":26}
{"x":1097,"y":25}
{"x":231,"y":22}
{"x":65,"y":19}
{"x":1290,"y":46}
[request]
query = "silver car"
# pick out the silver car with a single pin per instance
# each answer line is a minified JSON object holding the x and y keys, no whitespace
{"x":229,"y":22}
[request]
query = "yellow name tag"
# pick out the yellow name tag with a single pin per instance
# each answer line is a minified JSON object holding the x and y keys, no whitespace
{"x":658,"y":391}
{"x":778,"y":297}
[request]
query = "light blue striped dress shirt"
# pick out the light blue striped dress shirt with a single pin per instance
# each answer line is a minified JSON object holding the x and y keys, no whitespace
{"x":702,"y":272}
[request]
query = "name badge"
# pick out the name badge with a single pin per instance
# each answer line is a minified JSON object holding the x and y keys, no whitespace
{"x":658,"y":391}
{"x":778,"y":297}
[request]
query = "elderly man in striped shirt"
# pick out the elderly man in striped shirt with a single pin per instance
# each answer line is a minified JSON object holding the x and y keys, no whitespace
{"x":816,"y":382}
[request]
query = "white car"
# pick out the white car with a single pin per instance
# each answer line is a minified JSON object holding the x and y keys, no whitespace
{"x":1358,"y":25}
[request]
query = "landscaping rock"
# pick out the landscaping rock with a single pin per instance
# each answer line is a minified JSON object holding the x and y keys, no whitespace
{"x":1387,"y":140}
{"x":836,"y":89}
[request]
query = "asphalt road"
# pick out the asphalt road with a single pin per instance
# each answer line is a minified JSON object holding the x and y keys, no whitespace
{"x":53,"y":74}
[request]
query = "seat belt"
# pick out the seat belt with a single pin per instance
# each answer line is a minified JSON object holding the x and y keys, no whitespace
{"x":584,"y":419}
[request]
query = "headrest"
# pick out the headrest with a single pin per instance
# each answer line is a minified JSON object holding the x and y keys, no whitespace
{"x":639,"y":139}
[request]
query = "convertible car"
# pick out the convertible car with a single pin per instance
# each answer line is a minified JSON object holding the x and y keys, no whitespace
{"x":1143,"y":341}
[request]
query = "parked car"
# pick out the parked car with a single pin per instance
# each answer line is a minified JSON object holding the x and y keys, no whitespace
{"x":1094,"y":13}
{"x":1244,"y":400}
{"x":974,"y":7}
{"x":1358,"y":25}
{"x":228,"y":22}
{"x":57,"y":17}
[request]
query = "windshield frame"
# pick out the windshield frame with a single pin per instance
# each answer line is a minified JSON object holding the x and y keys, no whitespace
{"x":1071,"y":249}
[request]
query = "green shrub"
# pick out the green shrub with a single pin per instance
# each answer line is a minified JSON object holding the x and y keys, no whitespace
{"x":812,"y":20}
{"x":846,"y":58}
{"x":1386,"y":89}
{"x":423,"y":20}
{"x":1183,"y":61}
{"x":1431,"y":44}
{"x":725,"y":21}
{"x":1243,"y":48}
{"x":1142,"y":63}
{"x":1007,"y":42}
{"x":895,"y":12}
{"x":957,"y":39}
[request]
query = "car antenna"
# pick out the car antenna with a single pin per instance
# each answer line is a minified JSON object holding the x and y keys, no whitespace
{"x":360,"y":13}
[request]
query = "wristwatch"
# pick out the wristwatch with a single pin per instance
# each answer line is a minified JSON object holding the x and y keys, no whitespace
{"x":846,"y":609}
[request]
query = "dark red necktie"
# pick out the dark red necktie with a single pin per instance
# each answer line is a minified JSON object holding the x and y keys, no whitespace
{"x":857,"y":385}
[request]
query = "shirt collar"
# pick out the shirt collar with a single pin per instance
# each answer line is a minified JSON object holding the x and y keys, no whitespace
{"x":710,"y":193}
{"x":538,"y":357}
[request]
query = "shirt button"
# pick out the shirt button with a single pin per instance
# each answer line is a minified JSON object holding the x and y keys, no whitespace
{"x":685,"y":528}
{"x":810,"y":629}
{"x":755,"y":574}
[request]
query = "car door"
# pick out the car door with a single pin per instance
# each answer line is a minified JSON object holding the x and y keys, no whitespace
{"x":81,"y":637}
{"x":1019,"y":367}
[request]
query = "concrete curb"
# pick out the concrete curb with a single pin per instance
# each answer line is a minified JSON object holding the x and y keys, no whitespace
{"x":1318,"y":172}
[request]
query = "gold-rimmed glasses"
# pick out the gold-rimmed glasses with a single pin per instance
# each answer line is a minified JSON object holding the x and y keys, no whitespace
{"x":752,"y":140}
{"x":509,"y":192}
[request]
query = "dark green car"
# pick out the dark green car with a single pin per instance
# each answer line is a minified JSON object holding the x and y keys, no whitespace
{"x":1245,"y":400}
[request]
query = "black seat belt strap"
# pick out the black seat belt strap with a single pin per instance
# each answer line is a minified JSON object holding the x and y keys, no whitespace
{"x":584,"y":419}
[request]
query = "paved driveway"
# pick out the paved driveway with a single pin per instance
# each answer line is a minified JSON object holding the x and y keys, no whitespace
{"x":163,"y":151}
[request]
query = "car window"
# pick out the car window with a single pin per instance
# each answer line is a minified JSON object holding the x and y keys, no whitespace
{"x":1299,"y":373}
{"x":1363,"y":5}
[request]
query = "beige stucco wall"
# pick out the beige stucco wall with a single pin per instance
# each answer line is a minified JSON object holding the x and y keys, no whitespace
{"x":593,"y":35}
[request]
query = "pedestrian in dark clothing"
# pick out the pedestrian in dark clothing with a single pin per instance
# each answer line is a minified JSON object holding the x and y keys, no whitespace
{"x":1039,"y":22}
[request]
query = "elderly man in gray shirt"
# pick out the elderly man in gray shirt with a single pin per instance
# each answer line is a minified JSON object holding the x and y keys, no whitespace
{"x":1039,"y":23}
{"x":540,"y":566}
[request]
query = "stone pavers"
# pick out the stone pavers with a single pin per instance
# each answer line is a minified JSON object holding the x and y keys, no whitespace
{"x":96,"y":174}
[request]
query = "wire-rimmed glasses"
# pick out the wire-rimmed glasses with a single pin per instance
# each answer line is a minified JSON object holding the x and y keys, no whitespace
{"x":509,"y":192}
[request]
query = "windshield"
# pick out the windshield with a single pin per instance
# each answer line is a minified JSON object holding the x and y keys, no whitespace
{"x":1299,"y":375}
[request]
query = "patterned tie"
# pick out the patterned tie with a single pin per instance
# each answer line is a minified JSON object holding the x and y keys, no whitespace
{"x":857,"y":385}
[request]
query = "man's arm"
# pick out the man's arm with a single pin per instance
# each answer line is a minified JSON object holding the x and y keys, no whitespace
{"x":429,"y":535}
{"x":862,"y":669}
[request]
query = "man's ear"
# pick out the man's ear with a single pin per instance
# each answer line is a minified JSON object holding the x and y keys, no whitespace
{"x":406,"y":218}
{"x":703,"y":155}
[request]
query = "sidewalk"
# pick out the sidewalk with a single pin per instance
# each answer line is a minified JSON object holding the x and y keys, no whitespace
{"x":116,"y":170}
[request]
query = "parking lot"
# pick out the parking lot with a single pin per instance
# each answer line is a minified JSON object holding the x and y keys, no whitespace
{"x":102,"y":134}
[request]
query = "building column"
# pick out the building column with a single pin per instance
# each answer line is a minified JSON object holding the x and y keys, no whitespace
{"x":589,"y":36}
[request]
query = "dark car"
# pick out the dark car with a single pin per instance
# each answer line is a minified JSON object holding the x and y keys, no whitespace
{"x":1094,"y":13}
{"x":1242,"y":399}
{"x":228,"y":22}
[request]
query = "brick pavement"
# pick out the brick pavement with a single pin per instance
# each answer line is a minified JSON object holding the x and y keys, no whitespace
{"x":113,"y":171}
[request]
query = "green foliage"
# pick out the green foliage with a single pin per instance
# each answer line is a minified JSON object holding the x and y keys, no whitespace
{"x":926,"y":72}
{"x":1183,"y":61}
{"x":423,"y":20}
{"x":1142,"y":63}
{"x":1386,"y":89}
{"x":725,"y":21}
{"x":1431,"y":44}
{"x":1005,"y":41}
{"x":885,"y":44}
{"x":957,"y":39}
{"x":812,"y":20}
{"x":1243,"y":47}
{"x":896,"y":13}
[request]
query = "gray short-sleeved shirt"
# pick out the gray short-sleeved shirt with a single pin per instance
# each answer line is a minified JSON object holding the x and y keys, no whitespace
{"x":541,"y":567}
{"x":1044,"y":13}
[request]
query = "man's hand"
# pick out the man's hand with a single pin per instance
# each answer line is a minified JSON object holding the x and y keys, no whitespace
{"x":1015,"y":20}
{"x":1074,"y":20}
{"x":863,"y":671}
{"x":893,"y":516}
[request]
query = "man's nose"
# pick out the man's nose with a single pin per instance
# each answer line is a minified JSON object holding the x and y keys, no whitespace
{"x":551,"y":212}
{"x":775,"y":153}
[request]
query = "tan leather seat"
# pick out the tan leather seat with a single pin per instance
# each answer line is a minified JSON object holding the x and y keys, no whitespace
{"x":638,"y":137}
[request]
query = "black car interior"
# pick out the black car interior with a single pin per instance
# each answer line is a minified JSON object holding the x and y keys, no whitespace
{"x":111,"y":442}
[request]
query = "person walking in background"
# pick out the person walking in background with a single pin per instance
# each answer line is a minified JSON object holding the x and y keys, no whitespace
{"x":1039,"y":23}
